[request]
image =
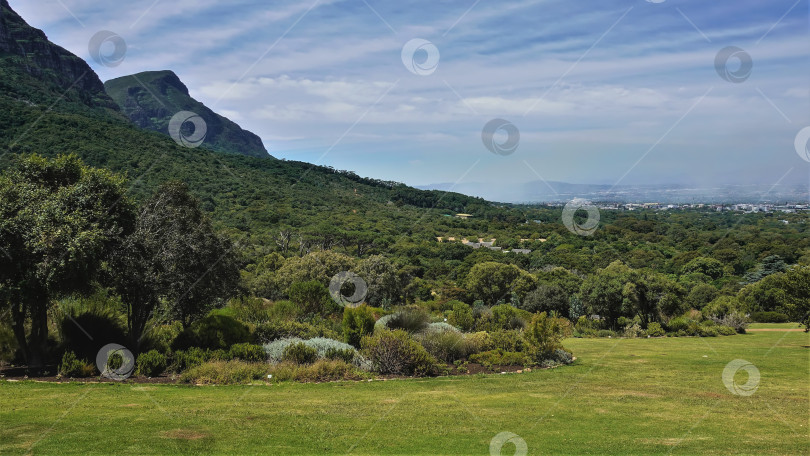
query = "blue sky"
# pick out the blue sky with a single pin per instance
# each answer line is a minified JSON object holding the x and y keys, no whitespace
{"x":608,"y":91}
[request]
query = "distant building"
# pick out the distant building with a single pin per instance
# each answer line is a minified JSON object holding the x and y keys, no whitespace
{"x":463,"y":216}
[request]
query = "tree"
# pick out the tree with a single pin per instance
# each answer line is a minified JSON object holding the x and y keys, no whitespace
{"x":319,"y":265}
{"x":786,"y":292}
{"x":547,"y":298}
{"x":603,"y":292}
{"x":381,"y":279}
{"x":491,"y":281}
{"x":704,"y":265}
{"x":193,"y":268}
{"x":59,"y":221}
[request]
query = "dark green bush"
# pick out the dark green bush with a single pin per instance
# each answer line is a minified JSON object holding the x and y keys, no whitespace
{"x":213,"y":332}
{"x":73,"y":367}
{"x":248,"y":353}
{"x":161,"y":337}
{"x":544,"y":335}
{"x":606,"y":333}
{"x":150,"y":364}
{"x":708,"y":331}
{"x":395,"y":353}
{"x":312,"y":297}
{"x":769,"y":317}
{"x":86,"y":333}
{"x":357,"y":323}
{"x":300,"y":353}
{"x":275,"y":330}
{"x":194,"y":356}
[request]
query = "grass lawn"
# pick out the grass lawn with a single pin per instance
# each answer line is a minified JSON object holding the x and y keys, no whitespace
{"x":638,"y":396}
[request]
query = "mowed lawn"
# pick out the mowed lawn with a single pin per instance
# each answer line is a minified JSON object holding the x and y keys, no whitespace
{"x":621,"y":396}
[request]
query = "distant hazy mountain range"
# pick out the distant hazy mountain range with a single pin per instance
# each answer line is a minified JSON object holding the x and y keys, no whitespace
{"x":549,"y":192}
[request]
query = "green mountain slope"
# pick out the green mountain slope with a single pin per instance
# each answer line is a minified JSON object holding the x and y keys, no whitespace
{"x":151,"y":98}
{"x":253,"y":197}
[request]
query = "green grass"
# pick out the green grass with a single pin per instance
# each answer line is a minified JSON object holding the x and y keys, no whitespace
{"x":639,"y":396}
{"x":775,"y":326}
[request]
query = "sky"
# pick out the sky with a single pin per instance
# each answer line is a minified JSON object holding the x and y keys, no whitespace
{"x":615,"y":92}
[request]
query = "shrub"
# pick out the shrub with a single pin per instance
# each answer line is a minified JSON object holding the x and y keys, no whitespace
{"x":446,"y":346}
{"x":721,"y":306}
{"x":769,"y":317}
{"x":479,"y":341}
{"x":736,"y":320}
{"x":320,"y":371}
{"x":283,"y":311}
{"x":606,"y":333}
{"x":511,"y":340}
{"x":250,"y":309}
{"x":654,"y":329}
{"x":394,"y":352}
{"x":585,"y":325}
{"x":150,"y":364}
{"x":300,"y":353}
{"x":248,"y":352}
{"x":357,"y":323}
{"x":161,"y":337}
{"x":507,"y":317}
{"x":461,"y":316}
{"x":726,"y":330}
{"x":225,"y":372}
{"x":633,"y":330}
{"x":346,"y":355}
{"x":323,"y":345}
{"x":311,"y":297}
{"x":545,"y":334}
{"x":708,"y":331}
{"x":75,"y":368}
{"x":678,"y":324}
{"x":195,"y":356}
{"x":269,"y":332}
{"x":411,"y":319}
{"x":101,"y":329}
{"x":499,"y":357}
{"x":213,"y":332}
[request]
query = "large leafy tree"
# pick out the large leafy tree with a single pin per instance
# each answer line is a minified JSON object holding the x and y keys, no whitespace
{"x":59,"y":221}
{"x":176,"y":253}
{"x":603,"y":292}
{"x":491,"y":282}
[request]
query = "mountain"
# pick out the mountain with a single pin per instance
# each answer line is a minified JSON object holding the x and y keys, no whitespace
{"x":251,"y":198}
{"x":35,"y":71}
{"x":150,"y":99}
